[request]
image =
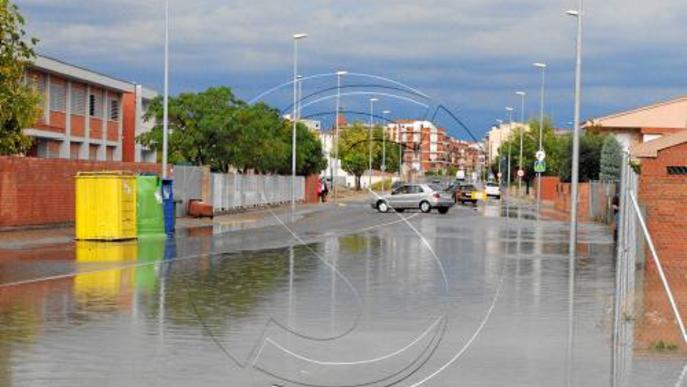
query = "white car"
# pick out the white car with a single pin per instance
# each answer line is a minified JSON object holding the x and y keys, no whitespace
{"x":493,"y":190}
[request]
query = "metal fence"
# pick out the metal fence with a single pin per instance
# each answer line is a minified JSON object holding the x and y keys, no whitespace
{"x":649,"y":294}
{"x":232,"y":191}
{"x":188,"y":183}
{"x":601,"y":194}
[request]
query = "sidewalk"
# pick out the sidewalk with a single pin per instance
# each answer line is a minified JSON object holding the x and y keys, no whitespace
{"x":246,"y":219}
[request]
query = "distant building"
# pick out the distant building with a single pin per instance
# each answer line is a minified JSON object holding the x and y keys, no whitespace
{"x":499,"y":135}
{"x":87,"y":115}
{"x":643,"y":124}
{"x":427,"y":148}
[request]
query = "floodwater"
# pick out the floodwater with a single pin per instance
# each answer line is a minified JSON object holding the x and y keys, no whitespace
{"x":345,"y":297}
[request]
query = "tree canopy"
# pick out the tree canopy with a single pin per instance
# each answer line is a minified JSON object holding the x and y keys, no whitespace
{"x":611,"y":159}
{"x":558,"y":149}
{"x":217,"y":129}
{"x":354,"y":150}
{"x":19,"y":100}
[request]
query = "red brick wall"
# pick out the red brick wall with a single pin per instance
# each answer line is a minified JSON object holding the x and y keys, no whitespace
{"x":311,"y":183}
{"x":112,"y":131}
{"x":549,"y":185}
{"x":129,"y":127}
{"x":96,"y":128}
{"x":665,"y":200}
{"x":41,"y":191}
{"x":562,"y":200}
{"x":78,"y":126}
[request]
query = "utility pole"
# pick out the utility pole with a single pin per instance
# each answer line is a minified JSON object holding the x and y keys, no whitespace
{"x":522,"y":135}
{"x":543,"y":67}
{"x":294,"y":118}
{"x":165,"y":113}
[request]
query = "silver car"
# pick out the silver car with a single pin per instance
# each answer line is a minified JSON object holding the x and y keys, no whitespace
{"x":425,"y":197}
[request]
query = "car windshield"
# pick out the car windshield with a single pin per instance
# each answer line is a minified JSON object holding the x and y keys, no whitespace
{"x":468,"y":188}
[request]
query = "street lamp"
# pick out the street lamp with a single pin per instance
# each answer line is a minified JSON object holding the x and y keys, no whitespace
{"x":384,"y":113}
{"x":296,"y":38}
{"x":510,"y":132}
{"x":369,"y":142}
{"x":165,"y":108}
{"x":523,"y":95}
{"x":576,"y":132}
{"x":300,"y":97}
{"x":335,"y":144}
{"x":500,"y":174}
{"x":542,"y":67}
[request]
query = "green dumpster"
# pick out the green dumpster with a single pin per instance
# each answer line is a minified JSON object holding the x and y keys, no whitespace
{"x":151,"y":249}
{"x":150,"y":217}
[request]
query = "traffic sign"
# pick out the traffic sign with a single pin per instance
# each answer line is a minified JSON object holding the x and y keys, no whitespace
{"x":540,"y":166}
{"x":541,"y":155}
{"x":521,"y":173}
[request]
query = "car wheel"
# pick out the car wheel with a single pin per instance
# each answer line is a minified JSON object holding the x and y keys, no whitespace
{"x":425,"y":207}
{"x":443,"y":210}
{"x":383,"y":207}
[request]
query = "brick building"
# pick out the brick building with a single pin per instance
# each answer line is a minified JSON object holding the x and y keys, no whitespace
{"x":424,"y":144}
{"x":87,"y":115}
{"x":663,"y":193}
{"x":428,"y":148}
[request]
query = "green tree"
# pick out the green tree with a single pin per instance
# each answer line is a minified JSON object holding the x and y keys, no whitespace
{"x":590,"y":157}
{"x":552,"y":143}
{"x":217,"y":129}
{"x":611,"y":159}
{"x":310,"y":158}
{"x":378,"y":155}
{"x":19,"y":101}
{"x":199,"y":127}
{"x":354,"y":151}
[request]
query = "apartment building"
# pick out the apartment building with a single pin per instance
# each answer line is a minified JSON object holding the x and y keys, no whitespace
{"x":87,"y":115}
{"x":424,"y":144}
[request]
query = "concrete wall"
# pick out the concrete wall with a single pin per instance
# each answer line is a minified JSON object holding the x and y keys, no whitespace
{"x":41,"y":191}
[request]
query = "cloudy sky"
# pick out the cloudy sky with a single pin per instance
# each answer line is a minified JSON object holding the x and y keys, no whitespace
{"x":468,"y":55}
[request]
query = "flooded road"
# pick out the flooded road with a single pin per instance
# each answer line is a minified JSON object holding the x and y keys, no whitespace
{"x":340,"y":297}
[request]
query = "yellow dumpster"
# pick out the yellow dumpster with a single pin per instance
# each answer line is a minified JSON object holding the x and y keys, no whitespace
{"x":105,"y":206}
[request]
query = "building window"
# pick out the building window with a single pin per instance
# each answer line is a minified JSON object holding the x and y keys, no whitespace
{"x":95,"y":104}
{"x":114,"y":110}
{"x":78,"y":100}
{"x":58,"y":97}
{"x":677,"y":170}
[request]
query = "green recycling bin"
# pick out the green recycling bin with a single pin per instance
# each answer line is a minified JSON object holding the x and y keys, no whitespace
{"x":150,"y":217}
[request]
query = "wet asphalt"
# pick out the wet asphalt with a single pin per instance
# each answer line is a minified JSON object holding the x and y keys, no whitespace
{"x":341,"y":296}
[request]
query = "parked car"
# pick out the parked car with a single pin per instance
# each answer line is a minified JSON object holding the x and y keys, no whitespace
{"x":493,"y":190}
{"x":466,"y":193}
{"x":425,"y":197}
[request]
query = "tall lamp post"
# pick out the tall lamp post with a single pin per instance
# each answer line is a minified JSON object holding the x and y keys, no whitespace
{"x":165,"y":108}
{"x":384,"y":114}
{"x":542,"y":67}
{"x":500,"y":174}
{"x":369,"y":141}
{"x":510,"y":144}
{"x":576,"y":132}
{"x":339,"y":75}
{"x":294,"y":118}
{"x":299,"y":97}
{"x":523,"y":95}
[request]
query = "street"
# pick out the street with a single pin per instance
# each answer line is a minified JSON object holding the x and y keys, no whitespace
{"x":341,"y":296}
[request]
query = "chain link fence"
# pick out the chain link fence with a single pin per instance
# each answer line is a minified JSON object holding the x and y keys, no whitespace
{"x":650,"y":293}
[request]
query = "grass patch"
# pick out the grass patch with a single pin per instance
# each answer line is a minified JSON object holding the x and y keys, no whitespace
{"x":663,"y":346}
